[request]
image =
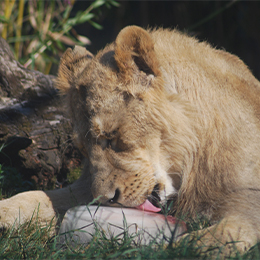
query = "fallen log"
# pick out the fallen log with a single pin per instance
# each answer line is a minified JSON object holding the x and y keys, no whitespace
{"x":35,"y":134}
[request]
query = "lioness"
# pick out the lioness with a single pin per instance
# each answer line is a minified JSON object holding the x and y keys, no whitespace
{"x":161,"y":117}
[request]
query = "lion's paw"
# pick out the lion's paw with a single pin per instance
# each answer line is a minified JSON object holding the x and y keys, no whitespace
{"x":24,"y":207}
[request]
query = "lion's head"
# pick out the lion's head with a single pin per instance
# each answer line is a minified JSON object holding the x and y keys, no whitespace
{"x":137,"y":137}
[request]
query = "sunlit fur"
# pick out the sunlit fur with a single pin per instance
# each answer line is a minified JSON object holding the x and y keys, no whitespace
{"x":181,"y":109}
{"x":187,"y":117}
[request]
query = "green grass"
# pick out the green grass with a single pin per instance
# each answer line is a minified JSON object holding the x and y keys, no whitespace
{"x":30,"y":241}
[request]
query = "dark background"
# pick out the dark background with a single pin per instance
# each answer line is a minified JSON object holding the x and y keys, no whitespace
{"x":235,"y":28}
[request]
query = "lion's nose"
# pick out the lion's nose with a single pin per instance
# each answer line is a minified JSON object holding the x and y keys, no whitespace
{"x":115,"y":198}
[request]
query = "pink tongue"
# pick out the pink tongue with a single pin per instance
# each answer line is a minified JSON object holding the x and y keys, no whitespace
{"x":148,"y":206}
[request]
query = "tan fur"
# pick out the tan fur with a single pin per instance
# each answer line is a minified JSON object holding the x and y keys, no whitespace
{"x":160,"y":109}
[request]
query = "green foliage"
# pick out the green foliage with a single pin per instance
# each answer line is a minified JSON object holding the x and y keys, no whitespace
{"x":74,"y":175}
{"x":40,"y":30}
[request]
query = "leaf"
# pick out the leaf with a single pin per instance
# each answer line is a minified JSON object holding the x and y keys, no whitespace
{"x":85,"y":17}
{"x":96,"y":25}
{"x":62,"y":38}
{"x":73,"y":21}
{"x":32,"y":46}
{"x":32,"y":17}
{"x":80,"y":38}
{"x":21,"y":39}
{"x":114,"y":3}
{"x":110,"y":3}
{"x":98,"y":3}
{"x":83,"y":39}
{"x":3,"y":19}
{"x":66,"y":27}
{"x":67,"y":12}
{"x":59,"y":45}
{"x":67,"y":40}
{"x":80,"y":17}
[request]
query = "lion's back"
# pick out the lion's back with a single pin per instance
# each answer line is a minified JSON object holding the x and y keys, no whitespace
{"x":205,"y":75}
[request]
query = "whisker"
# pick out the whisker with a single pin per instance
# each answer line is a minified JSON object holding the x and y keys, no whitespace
{"x":87,"y":133}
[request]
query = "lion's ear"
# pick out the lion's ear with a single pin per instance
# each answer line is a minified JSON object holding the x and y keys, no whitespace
{"x":135,"y":50}
{"x":72,"y":63}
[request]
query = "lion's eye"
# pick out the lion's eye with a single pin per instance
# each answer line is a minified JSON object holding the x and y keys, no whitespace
{"x":107,"y":143}
{"x":113,"y":143}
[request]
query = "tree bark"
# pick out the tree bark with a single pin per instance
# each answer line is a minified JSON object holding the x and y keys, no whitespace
{"x":35,"y":134}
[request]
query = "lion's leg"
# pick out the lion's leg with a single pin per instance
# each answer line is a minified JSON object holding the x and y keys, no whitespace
{"x":44,"y":206}
{"x":230,"y":235}
{"x":77,"y":193}
{"x":239,"y":229}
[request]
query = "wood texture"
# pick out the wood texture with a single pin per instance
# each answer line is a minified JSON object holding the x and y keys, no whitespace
{"x":35,"y":134}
